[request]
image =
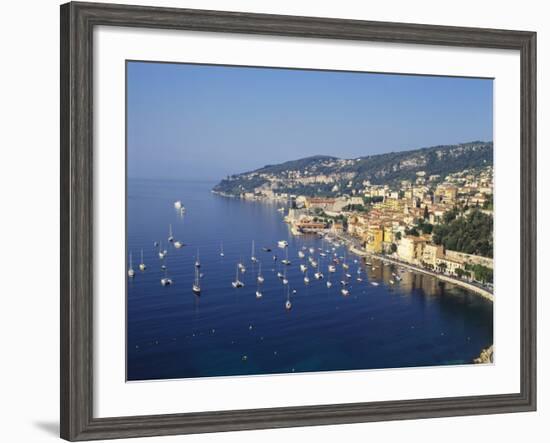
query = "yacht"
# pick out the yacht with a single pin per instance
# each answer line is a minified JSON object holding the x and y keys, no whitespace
{"x":319,"y":275}
{"x":197,"y":283}
{"x":165,"y":281}
{"x":253,"y":256}
{"x":374,"y":283}
{"x":286,"y":261}
{"x":178,"y":204}
{"x":260,"y":276}
{"x":288,"y":305}
{"x":178,"y":244}
{"x":142,"y":266}
{"x":282,"y":243}
{"x":344,"y":291}
{"x":237,"y":283}
{"x":198,"y":260}
{"x":162,"y":252}
{"x":131,"y":271}
{"x":331,"y":268}
{"x":301,"y":254}
{"x":241,"y":267}
{"x":170,"y":235}
{"x":303,"y":268}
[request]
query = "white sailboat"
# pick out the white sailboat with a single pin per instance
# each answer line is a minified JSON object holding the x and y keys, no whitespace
{"x":286,"y":261}
{"x":285,"y":280}
{"x":331,"y":268}
{"x":253,"y":256}
{"x":260,"y":276}
{"x":197,"y":282}
{"x":178,"y":204}
{"x":288,"y":304}
{"x":319,"y":275}
{"x":170,"y":235}
{"x":165,"y":281}
{"x":221,"y":250}
{"x":241,"y":266}
{"x":198,"y":260}
{"x":303,"y":268}
{"x":329,"y":283}
{"x":131,"y":272}
{"x":306,"y":278}
{"x":178,"y":244}
{"x":260,"y":280}
{"x":162,"y":252}
{"x":237,"y":283}
{"x":142,"y":266}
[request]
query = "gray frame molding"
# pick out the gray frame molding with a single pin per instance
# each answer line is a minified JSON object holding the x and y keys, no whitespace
{"x":77,"y":23}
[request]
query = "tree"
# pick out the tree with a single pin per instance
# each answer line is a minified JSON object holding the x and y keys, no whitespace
{"x":426,"y":213}
{"x":398,"y":235}
{"x":472,"y":234}
{"x":412,"y":231}
{"x":393,"y":248}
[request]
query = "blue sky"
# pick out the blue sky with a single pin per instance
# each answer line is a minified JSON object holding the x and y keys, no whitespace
{"x":205,"y":122}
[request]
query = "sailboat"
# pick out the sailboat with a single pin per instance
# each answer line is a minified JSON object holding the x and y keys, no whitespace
{"x":197,"y":261}
{"x":237,"y":283}
{"x":303,"y":268}
{"x":165,"y":281}
{"x":221,"y":250}
{"x":285,"y":280}
{"x":170,"y":235}
{"x":329,"y":283}
{"x":301,"y":254}
{"x":142,"y":266}
{"x":260,"y":276}
{"x":131,"y":271}
{"x":286,"y":261}
{"x":252,"y":256}
{"x":178,"y":244}
{"x":197,"y":283}
{"x":162,"y":252}
{"x":288,"y":305}
{"x":260,"y":280}
{"x":319,"y":275}
{"x":331,"y":268}
{"x":241,"y":266}
{"x":344,"y":264}
{"x":306,"y":278}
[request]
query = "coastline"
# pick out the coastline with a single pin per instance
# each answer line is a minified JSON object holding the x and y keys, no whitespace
{"x":464,"y":284}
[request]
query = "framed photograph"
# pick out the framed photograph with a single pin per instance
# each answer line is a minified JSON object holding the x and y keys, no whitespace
{"x":272,"y":221}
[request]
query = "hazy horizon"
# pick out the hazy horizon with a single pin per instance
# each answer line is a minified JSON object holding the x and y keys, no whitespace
{"x":204,"y":122}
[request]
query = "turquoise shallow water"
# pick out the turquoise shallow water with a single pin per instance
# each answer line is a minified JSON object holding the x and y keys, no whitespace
{"x":172,"y":333}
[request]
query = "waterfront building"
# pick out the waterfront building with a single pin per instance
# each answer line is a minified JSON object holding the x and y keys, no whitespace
{"x":374,"y":239}
{"x":410,"y":249}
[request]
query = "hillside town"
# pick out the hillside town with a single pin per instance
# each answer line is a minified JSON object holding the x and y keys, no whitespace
{"x":442,"y":225}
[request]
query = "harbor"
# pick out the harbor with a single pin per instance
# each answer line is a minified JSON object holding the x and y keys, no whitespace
{"x":246,"y":296}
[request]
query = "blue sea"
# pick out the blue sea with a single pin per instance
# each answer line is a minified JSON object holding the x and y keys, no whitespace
{"x":173,"y":333}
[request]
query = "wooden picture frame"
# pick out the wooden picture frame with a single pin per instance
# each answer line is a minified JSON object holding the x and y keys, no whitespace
{"x":77,"y":23}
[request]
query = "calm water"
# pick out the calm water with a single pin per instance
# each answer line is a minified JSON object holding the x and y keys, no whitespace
{"x":172,"y":333}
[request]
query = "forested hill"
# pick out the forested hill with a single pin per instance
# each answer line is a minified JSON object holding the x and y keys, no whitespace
{"x":305,"y":174}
